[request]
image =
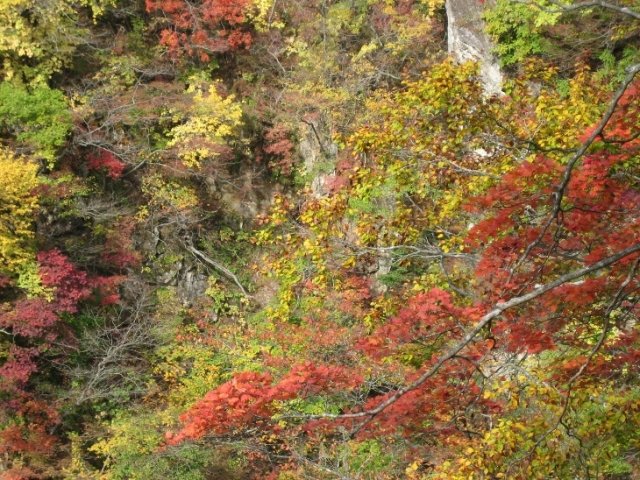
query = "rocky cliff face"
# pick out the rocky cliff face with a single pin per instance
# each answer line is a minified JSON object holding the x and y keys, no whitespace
{"x":316,"y":148}
{"x":467,"y":40}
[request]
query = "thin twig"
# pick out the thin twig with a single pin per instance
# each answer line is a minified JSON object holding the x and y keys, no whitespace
{"x":560,"y":190}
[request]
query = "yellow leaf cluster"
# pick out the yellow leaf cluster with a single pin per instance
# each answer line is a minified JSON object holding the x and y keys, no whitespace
{"x":29,"y":280}
{"x":190,"y":370}
{"x":38,"y":37}
{"x":210,"y":121}
{"x":129,"y":435}
{"x":19,"y":38}
{"x":432,"y":5}
{"x":167,"y":195}
{"x":261,"y":16}
{"x":19,"y":205}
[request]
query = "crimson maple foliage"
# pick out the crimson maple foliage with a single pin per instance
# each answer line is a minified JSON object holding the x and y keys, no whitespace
{"x":565,"y":233}
{"x":280,"y":147}
{"x":105,"y":160}
{"x":251,"y":399}
{"x":203,"y":30}
{"x":39,"y":318}
{"x":35,"y":324}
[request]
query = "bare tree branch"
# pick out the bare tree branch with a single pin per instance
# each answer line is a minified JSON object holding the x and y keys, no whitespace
{"x":221,"y":268}
{"x":580,"y":6}
{"x":632,"y":71}
{"x":495,"y":312}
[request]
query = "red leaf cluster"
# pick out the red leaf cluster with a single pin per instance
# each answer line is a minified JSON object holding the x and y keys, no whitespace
{"x":38,"y":320}
{"x":428,"y":317}
{"x":105,"y":160}
{"x":212,"y":27}
{"x":281,"y":149}
{"x":34,"y":324}
{"x":71,"y":284}
{"x":119,"y":251}
{"x":251,"y":399}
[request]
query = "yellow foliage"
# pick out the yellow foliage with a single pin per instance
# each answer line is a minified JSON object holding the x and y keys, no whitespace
{"x":432,"y":5}
{"x":16,"y":215}
{"x":211,"y":120}
{"x":30,"y":281}
{"x":189,"y":369}
{"x":562,"y":117}
{"x":78,"y":468}
{"x":38,"y":37}
{"x":261,"y":17}
{"x":132,"y":435}
{"x":530,"y":438}
{"x":168,"y":195}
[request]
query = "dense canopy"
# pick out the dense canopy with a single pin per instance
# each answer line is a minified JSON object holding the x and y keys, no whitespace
{"x":286,"y":240}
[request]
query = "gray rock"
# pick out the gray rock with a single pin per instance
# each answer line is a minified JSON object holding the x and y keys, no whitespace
{"x":467,"y":40}
{"x":385,"y":262}
{"x":170,"y":274}
{"x":149,"y":240}
{"x":314,"y":153}
{"x":309,"y":147}
{"x":192,"y":285}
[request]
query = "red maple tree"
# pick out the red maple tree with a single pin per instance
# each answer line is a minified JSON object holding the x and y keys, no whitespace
{"x":200,"y":31}
{"x":558,"y":252}
{"x":34,"y":325}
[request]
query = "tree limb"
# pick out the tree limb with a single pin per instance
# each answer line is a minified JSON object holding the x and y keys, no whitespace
{"x":495,"y":312}
{"x":580,"y":6}
{"x":221,"y":268}
{"x":632,"y":71}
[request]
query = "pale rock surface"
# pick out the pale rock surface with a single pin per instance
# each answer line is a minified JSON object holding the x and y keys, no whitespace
{"x":315,"y":153}
{"x":467,"y":40}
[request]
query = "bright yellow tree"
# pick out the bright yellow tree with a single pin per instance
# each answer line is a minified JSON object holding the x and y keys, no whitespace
{"x":209,"y":123}
{"x":18,"y":205}
{"x":38,"y":37}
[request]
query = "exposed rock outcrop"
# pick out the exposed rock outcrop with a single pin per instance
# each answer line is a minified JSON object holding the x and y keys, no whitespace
{"x":468,"y":41}
{"x":315,"y":150}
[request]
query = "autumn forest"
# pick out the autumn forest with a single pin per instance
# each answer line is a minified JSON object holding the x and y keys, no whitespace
{"x":319,"y":239}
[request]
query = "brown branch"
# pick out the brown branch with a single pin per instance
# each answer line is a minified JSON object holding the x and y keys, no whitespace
{"x":632,"y":71}
{"x":221,"y":268}
{"x":580,"y":6}
{"x":495,"y":312}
